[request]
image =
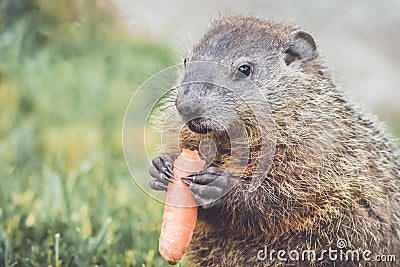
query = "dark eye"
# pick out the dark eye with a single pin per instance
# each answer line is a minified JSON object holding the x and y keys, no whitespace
{"x":184,"y":62}
{"x":245,"y":69}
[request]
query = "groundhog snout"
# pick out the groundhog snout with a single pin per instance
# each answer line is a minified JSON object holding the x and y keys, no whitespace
{"x":191,"y":99}
{"x":190,"y":109}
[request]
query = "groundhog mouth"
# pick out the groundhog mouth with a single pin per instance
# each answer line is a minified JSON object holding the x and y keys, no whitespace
{"x":202,"y":125}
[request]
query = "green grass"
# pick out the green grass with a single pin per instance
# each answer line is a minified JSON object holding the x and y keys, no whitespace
{"x":67,"y":72}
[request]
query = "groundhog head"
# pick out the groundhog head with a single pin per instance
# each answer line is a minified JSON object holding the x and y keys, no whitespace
{"x":233,"y":62}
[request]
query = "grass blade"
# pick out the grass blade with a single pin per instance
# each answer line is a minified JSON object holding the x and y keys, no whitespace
{"x":7,"y":246}
{"x":56,"y":248}
{"x":99,"y":238}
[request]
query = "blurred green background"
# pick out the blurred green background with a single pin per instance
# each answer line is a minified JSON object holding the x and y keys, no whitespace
{"x":67,"y":72}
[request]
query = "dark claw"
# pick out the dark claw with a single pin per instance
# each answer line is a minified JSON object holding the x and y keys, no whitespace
{"x":190,"y":178}
{"x":166,"y":178}
{"x":209,"y":186}
{"x":154,"y":172}
{"x":209,"y":170}
{"x":168,"y":171}
{"x":205,"y":179}
{"x":161,"y":170}
{"x":186,"y":183}
{"x":169,"y":166}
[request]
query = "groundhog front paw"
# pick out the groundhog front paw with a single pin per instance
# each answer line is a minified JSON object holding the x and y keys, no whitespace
{"x":161,"y":170}
{"x":210,"y":185}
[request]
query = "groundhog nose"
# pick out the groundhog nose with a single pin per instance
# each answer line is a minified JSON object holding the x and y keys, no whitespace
{"x":190,"y":109}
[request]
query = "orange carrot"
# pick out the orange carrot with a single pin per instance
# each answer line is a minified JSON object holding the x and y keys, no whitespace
{"x":180,"y":211}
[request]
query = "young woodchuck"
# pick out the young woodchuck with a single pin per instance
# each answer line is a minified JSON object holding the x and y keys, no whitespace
{"x":333,"y":186}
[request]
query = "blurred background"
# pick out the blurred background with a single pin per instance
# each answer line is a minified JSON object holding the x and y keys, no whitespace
{"x":67,"y":71}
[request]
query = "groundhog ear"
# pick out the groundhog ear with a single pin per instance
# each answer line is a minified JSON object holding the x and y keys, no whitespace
{"x":302,"y":47}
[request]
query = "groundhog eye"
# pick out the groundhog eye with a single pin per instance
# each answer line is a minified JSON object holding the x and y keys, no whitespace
{"x":245,"y":69}
{"x":184,"y":62}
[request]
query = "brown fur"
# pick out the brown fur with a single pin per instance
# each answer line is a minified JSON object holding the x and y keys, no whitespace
{"x":335,"y":172}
